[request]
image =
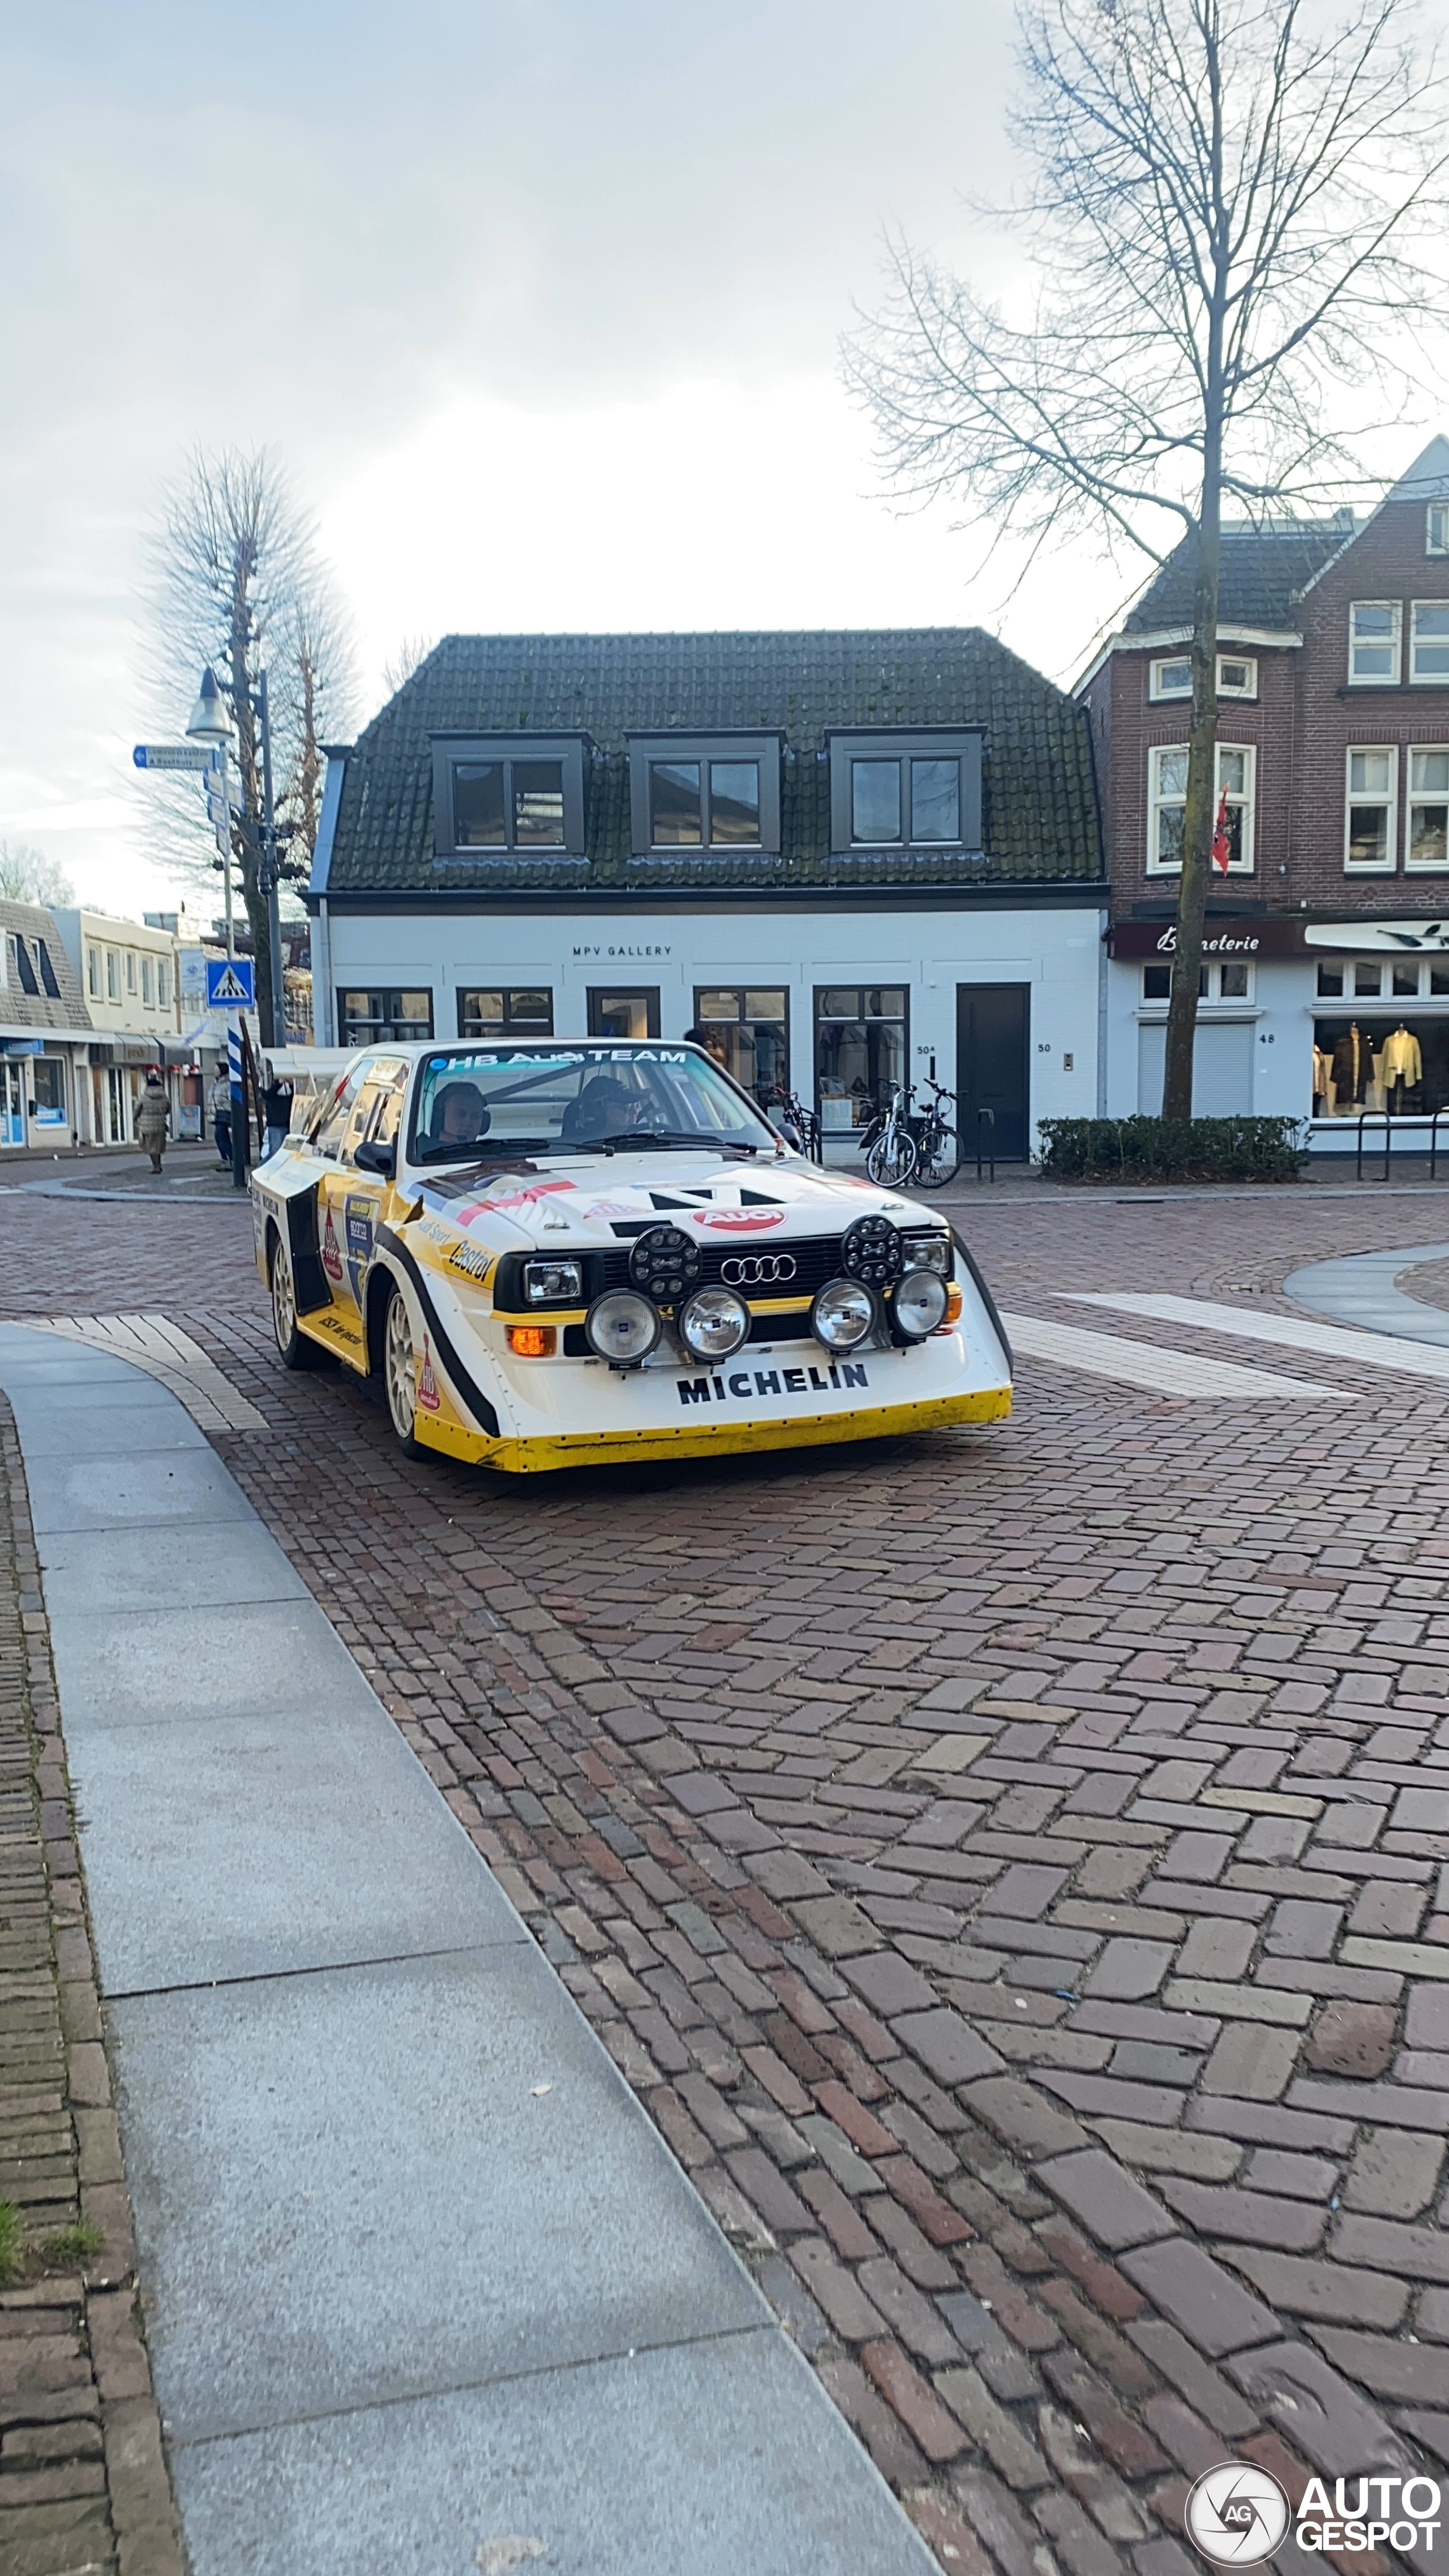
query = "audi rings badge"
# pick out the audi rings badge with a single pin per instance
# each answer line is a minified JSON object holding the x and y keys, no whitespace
{"x":757,"y":1269}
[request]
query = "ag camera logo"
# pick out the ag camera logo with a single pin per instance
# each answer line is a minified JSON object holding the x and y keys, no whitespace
{"x":1237,"y":2514}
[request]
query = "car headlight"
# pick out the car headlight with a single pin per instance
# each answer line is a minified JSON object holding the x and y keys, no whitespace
{"x":664,"y":1263}
{"x":928,"y":1251}
{"x":713,"y":1323}
{"x":842,"y":1315}
{"x":622,"y":1327}
{"x":872,"y":1251}
{"x":544,"y":1282}
{"x":919,"y":1304}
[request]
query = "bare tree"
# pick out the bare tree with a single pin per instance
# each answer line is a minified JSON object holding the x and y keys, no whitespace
{"x":411,"y":654}
{"x":1225,"y":215}
{"x":238,"y":584}
{"x":28,"y":876}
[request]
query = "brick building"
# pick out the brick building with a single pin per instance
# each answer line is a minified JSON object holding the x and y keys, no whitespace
{"x":1326,"y":982}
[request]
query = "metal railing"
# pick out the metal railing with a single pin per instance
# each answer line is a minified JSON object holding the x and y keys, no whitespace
{"x":1393,"y":1126}
{"x":989,"y":1117}
{"x":1363,"y":1118}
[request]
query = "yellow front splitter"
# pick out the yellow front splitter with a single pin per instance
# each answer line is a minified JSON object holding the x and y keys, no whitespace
{"x":626,"y":1448}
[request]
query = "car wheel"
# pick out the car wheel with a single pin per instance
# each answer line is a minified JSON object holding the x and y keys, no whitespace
{"x":290,"y":1343}
{"x":399,"y":1373}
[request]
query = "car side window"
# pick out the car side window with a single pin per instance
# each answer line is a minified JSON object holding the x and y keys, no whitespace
{"x":328,"y":1139}
{"x":388,"y":1118}
{"x":360,"y":1123}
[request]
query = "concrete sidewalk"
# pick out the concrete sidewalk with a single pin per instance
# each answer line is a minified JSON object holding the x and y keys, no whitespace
{"x":427,"y":2291}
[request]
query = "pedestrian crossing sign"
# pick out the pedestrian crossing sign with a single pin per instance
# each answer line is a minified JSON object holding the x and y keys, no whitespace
{"x":230,"y":984}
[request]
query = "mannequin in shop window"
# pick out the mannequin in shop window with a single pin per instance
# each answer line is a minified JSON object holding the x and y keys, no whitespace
{"x":1353,"y":1068}
{"x":1401,"y":1068}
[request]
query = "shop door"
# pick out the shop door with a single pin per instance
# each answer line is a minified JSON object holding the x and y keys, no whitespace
{"x":624,"y":1011}
{"x":12,"y":1104}
{"x":993,"y":1029}
{"x":118,"y":1105}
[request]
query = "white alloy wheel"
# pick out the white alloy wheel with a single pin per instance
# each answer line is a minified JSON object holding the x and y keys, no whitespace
{"x":284,"y":1307}
{"x":399,"y":1370}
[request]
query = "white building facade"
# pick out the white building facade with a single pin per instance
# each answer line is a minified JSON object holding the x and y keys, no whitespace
{"x":846,"y":860}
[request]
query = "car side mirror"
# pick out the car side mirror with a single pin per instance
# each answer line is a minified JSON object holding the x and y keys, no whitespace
{"x":372,"y":1157}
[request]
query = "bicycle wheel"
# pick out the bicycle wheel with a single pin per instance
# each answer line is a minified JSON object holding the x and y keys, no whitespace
{"x":941,"y":1161}
{"x":891,"y":1161}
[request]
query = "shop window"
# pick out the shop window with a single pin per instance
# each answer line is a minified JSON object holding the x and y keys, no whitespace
{"x":1428,"y":809}
{"x":148,"y":982}
{"x":1370,"y":810}
{"x":366,"y":1017}
{"x":93,"y":973}
{"x":1236,"y":771}
{"x":704,"y":792}
{"x":1330,"y":982}
{"x":1436,"y":528}
{"x":1390,"y":1059}
{"x":921,"y":792}
{"x":1367,"y":979}
{"x":1373,"y":641}
{"x":1404,"y":978}
{"x":860,"y":1051}
{"x":1429,"y":642}
{"x":499,"y":793}
{"x":502,"y":1011}
{"x":746,"y":1028}
{"x":48,"y":1078}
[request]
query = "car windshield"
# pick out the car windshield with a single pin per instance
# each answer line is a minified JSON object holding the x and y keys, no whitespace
{"x":477,"y":1102}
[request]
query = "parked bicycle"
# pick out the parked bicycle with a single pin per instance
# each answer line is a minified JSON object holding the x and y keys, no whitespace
{"x":798,"y":1125}
{"x":938,"y":1147}
{"x":889,"y":1146}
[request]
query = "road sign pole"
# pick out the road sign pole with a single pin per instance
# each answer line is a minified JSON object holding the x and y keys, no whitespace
{"x":238,"y":1105}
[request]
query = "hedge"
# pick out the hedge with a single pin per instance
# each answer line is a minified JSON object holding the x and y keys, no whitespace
{"x":1172,"y":1149}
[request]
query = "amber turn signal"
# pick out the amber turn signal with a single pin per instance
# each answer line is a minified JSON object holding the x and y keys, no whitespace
{"x":953,"y":1302}
{"x":533,"y":1341}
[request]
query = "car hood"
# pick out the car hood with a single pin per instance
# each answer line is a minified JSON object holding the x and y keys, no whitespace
{"x":711,"y":1197}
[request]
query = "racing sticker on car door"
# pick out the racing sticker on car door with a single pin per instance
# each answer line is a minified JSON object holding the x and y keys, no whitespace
{"x":359,"y":1215}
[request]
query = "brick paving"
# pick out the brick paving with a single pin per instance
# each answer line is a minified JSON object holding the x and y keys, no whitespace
{"x":83,"y":2482}
{"x":1009,"y":1866}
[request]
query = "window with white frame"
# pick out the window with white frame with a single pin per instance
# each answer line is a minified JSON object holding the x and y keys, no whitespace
{"x":1436,"y":528}
{"x":1429,"y":642}
{"x":1428,"y":845}
{"x":1167,"y":804}
{"x":130,"y":970}
{"x":93,"y":973}
{"x":113,"y":975}
{"x":1371,"y":809}
{"x":148,"y":982}
{"x":1373,"y":641}
{"x":1237,"y":677}
{"x":163,"y":983}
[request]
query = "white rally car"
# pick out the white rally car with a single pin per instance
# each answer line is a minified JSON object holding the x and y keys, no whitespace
{"x":562,"y":1255}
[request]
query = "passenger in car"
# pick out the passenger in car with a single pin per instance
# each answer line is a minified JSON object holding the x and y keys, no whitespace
{"x":461,"y":1117}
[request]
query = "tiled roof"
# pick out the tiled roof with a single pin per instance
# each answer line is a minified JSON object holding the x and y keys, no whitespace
{"x":65,"y":1008}
{"x":1039,"y":813}
{"x":1263,"y":571}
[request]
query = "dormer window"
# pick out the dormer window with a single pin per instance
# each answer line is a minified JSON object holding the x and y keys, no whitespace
{"x":704,"y":792}
{"x":1436,"y":528}
{"x":1172,"y":678}
{"x":905,"y":791}
{"x":494,"y":793}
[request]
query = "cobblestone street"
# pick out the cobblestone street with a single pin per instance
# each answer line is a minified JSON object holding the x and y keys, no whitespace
{"x":1009,"y":1866}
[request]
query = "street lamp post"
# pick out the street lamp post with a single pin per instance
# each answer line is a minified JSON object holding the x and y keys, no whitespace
{"x":210,"y":723}
{"x":267,"y":874}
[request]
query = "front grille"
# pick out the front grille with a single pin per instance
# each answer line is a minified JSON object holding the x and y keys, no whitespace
{"x":816,"y":1259}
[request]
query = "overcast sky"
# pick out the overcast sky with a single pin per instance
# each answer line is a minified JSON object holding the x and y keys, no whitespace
{"x":539,"y":300}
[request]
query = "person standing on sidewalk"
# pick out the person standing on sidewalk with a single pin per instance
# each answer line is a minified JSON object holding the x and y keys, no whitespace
{"x":218,"y":1101}
{"x":153,"y":1119}
{"x":276,"y":1108}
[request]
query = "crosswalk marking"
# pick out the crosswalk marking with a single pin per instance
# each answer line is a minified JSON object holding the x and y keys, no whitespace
{"x":1147,"y":1364}
{"x":155,"y":1344}
{"x":1331,"y":1341}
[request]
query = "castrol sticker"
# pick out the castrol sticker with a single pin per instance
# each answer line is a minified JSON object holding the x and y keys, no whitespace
{"x":740,"y":1220}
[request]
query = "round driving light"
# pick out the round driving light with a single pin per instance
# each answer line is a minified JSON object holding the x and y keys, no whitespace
{"x":919,"y":1304}
{"x":622,"y":1327}
{"x":714,"y":1323}
{"x":664,"y":1263}
{"x":872,"y":1251}
{"x":842,"y":1314}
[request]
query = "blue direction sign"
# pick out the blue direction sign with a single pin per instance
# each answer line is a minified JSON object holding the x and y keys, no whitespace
{"x":230,"y":984}
{"x":171,"y":755}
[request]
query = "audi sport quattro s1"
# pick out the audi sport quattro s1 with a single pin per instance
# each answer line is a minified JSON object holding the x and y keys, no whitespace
{"x":559,"y":1255}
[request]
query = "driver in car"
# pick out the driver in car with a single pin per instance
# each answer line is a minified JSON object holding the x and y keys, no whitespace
{"x":461,"y":1117}
{"x":603,"y":1108}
